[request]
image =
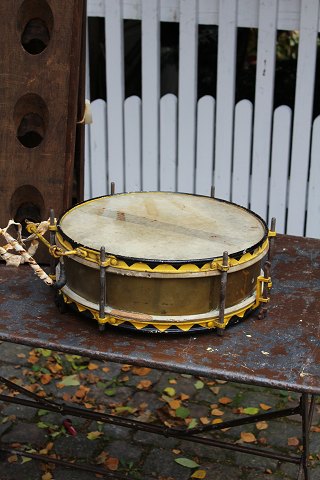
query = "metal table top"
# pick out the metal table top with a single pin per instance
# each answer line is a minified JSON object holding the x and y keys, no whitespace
{"x":280,"y":351}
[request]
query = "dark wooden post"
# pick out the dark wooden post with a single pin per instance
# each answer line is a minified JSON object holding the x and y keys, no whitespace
{"x":41,"y":67}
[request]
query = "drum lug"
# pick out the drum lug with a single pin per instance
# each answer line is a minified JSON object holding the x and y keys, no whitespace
{"x":224,"y":267}
{"x":102,"y":304}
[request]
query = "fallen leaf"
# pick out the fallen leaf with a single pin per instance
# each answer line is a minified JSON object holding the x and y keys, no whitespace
{"x":33,"y":359}
{"x":191,"y":422}
{"x":186,"y":462}
{"x":262,"y":425}
{"x":69,"y":381}
{"x":144,"y":384}
{"x":125,"y":409}
{"x":45,"y":378}
{"x":25,"y":460}
{"x":13,"y":458}
{"x":217,"y":412}
{"x":174,"y":404}
{"x":176,"y":451}
{"x":82,"y":391}
{"x":199,"y":474}
{"x":94,"y":435}
{"x":21,"y":355}
{"x":54,"y":367}
{"x":102,"y":457}
{"x":198,"y":385}
{"x":92,"y":366}
{"x":265,"y":407}
{"x":251,"y":410}
{"x":237,"y":410}
{"x":215,"y":390}
{"x":110,"y":392}
{"x":182,"y":412}
{"x":112,"y":463}
{"x":184,"y":396}
{"x":248,"y":437}
{"x":265,"y":353}
{"x":315,"y":429}
{"x":216,"y":420}
{"x":221,"y":382}
{"x":126,"y":368}
{"x":204,"y":420}
{"x":141,"y":371}
{"x":173,"y":381}
{"x":47,"y":476}
{"x":106,"y":369}
{"x":293,"y":442}
{"x":170,"y":391}
{"x":225,"y":400}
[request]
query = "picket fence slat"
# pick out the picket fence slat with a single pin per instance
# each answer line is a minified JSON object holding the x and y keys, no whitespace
{"x":225,"y":97}
{"x":263,"y":109}
{"x":303,"y":116}
{"x":98,"y":130}
{"x":188,"y":50}
{"x":87,"y":192}
{"x":248,"y":11}
{"x":115,"y":90}
{"x":313,"y":212}
{"x":205,"y":145}
{"x":280,"y":165}
{"x":132,"y":143}
{"x":168,"y":142}
{"x":242,"y":153}
{"x":150,"y":93}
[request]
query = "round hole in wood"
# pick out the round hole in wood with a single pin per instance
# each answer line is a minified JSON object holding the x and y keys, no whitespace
{"x":31,"y":120}
{"x":27,"y":204}
{"x":35,"y":24}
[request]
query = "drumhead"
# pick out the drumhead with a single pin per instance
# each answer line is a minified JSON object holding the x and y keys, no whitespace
{"x":163,"y":227}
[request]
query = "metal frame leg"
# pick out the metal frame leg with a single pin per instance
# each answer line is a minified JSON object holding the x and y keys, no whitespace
{"x":306,"y":418}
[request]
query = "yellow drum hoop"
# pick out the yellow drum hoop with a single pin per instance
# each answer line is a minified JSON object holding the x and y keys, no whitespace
{"x":162,"y":326}
{"x":92,"y":257}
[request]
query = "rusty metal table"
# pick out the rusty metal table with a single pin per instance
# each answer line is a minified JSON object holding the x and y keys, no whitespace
{"x":280,"y":351}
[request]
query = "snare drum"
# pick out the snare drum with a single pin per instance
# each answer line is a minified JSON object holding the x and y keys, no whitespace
{"x":163,"y":270}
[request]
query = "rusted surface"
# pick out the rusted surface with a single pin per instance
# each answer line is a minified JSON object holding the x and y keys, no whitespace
{"x":280,"y":351}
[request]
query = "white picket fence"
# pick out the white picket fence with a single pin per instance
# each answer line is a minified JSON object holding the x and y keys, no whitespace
{"x":263,"y":159}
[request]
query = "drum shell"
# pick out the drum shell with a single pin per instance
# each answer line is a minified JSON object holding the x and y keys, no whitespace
{"x":157,"y":295}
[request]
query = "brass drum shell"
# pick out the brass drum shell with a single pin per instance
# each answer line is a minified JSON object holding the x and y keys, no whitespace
{"x":161,"y":296}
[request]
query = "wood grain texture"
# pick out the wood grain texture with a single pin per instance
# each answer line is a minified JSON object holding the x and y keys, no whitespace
{"x":39,"y":96}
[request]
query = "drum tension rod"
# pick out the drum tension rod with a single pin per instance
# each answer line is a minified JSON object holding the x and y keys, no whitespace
{"x":223,"y":290}
{"x":102,"y":304}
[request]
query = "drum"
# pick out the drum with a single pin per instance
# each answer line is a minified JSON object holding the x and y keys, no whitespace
{"x":162,"y":262}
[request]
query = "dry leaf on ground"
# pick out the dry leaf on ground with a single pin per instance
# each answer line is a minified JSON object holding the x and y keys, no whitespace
{"x":248,"y":437}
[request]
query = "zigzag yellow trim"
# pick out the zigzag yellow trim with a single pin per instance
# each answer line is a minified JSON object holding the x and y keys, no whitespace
{"x":209,"y":323}
{"x":94,"y":257}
